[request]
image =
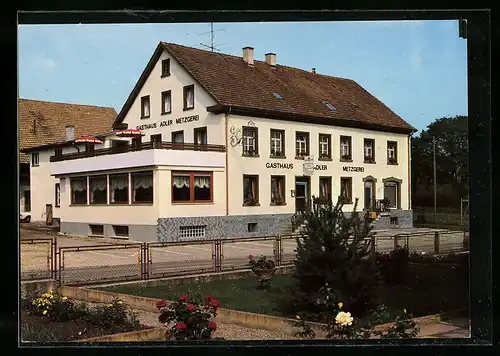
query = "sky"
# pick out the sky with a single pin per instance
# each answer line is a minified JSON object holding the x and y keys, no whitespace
{"x":417,"y":68}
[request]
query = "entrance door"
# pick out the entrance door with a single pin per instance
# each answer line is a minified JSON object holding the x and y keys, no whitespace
{"x":301,"y":196}
{"x":48,"y":210}
{"x":369,"y":196}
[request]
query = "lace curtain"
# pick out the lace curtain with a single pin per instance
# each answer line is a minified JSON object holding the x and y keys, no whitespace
{"x":181,"y":182}
{"x":98,"y":184}
{"x":143,"y":181}
{"x":190,"y":98}
{"x":276,"y":188}
{"x":324,"y":188}
{"x":118,"y":182}
{"x":202,"y":182}
{"x":79,"y":185}
{"x":249,"y":188}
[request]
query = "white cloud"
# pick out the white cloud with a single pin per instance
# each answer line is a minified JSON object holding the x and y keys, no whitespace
{"x":43,"y":62}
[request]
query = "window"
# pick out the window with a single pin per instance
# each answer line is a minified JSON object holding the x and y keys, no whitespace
{"x":178,"y":137}
{"x":346,"y":190}
{"x":278,"y":190}
{"x":35,"y":159}
{"x":277,"y":143}
{"x":250,"y":141}
{"x":96,"y":230}
{"x":345,"y":148}
{"x":250,"y":190}
{"x":70,"y":133}
{"x":325,"y":151}
{"x":120,"y":230}
{"x":252,"y":227}
{"x":57,"y":200}
{"x":189,"y":97}
{"x":277,"y":96}
{"x":325,"y":188}
{"x":166,"y":102}
{"x":78,"y":190}
{"x":330,"y":106}
{"x":193,"y":187}
{"x":200,"y":136}
{"x":89,"y":147}
{"x":394,"y":220}
{"x":58,"y":152}
{"x":142,"y":185}
{"x":165,"y":67}
{"x":391,"y":193}
{"x":136,"y":143}
{"x":145,"y":107}
{"x":98,"y":189}
{"x":156,"y":140}
{"x":301,"y":144}
{"x":369,"y":150}
{"x":192,"y":232}
{"x":118,"y":188}
{"x":392,"y":152}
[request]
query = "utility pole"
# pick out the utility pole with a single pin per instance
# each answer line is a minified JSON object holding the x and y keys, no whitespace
{"x":434,"y":160}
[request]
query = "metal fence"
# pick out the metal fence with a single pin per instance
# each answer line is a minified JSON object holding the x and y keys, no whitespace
{"x":40,"y":258}
{"x":37,"y":258}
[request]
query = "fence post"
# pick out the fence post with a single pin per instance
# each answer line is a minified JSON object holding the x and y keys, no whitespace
{"x":54,"y":258}
{"x":373,"y":249}
{"x":436,"y":242}
{"x":277,"y":249}
{"x":408,"y":242}
{"x":396,"y":240}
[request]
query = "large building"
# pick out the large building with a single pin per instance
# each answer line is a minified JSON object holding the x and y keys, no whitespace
{"x":45,"y":123}
{"x":232,"y":147}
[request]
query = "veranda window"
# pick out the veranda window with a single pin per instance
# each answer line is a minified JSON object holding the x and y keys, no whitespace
{"x":119,"y":189}
{"x":192,"y":187}
{"x":79,"y":190}
{"x":142,"y":184}
{"x":98,"y":190}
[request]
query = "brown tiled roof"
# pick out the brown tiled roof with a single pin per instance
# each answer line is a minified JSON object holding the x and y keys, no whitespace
{"x":233,"y":83}
{"x":44,"y":122}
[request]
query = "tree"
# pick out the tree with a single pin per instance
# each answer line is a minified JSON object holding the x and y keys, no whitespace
{"x":452,"y":153}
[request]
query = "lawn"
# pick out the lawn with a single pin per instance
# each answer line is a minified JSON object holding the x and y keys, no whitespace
{"x":430,"y":289}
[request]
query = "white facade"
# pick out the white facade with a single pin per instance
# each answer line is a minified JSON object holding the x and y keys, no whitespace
{"x":226,"y":214}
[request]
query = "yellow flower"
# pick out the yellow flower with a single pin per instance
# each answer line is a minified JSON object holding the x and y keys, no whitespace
{"x":344,"y":319}
{"x":65,"y":298}
{"x":44,"y":312}
{"x":109,"y":305}
{"x":298,"y":317}
{"x":119,"y":302}
{"x":340,"y":304}
{"x":404,"y":310}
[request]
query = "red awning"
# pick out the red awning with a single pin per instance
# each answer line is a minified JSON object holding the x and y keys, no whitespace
{"x":88,"y":139}
{"x":130,"y":133}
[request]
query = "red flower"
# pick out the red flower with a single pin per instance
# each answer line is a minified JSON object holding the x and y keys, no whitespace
{"x":191,"y":307}
{"x":212,"y":325}
{"x":209,"y":297}
{"x":250,"y":257}
{"x":180,"y":326}
{"x":161,"y":304}
{"x":183,"y":298}
{"x":214,"y":303}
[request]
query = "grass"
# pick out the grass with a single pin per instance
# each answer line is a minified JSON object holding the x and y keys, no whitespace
{"x":428,"y":290}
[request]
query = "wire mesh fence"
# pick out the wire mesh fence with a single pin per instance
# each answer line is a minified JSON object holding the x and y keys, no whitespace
{"x":174,"y":258}
{"x":104,"y":263}
{"x":36,"y":258}
{"x":234,"y":253}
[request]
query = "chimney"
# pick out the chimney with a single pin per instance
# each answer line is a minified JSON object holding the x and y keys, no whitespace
{"x":271,"y":59}
{"x":314,"y":70}
{"x":248,"y":55}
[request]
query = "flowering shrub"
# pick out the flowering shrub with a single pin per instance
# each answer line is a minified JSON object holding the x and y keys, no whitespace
{"x":114,"y":315}
{"x":261,"y":263}
{"x":189,"y":317}
{"x":54,"y":306}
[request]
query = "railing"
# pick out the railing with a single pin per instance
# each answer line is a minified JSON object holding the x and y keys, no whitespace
{"x":80,"y":265}
{"x":139,"y":147}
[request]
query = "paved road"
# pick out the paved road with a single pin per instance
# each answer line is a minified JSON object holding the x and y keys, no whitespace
{"x":103,"y":262}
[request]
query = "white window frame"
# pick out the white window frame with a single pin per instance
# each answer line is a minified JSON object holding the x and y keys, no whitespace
{"x":249,"y":140}
{"x":35,"y":159}
{"x":301,"y":144}
{"x":368,"y":150}
{"x":344,"y":148}
{"x":324,"y":146}
{"x":276,"y":142}
{"x":391,"y":151}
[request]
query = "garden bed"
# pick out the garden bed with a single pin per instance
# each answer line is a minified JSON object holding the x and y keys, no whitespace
{"x":39,"y":329}
{"x":429,"y":289}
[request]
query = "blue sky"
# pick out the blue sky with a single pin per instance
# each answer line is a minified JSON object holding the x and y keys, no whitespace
{"x":417,"y":68}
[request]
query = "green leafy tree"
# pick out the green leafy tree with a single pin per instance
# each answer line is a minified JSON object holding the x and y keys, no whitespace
{"x":334,"y":249}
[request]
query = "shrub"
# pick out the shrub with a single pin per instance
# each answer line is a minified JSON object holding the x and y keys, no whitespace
{"x":114,"y":315}
{"x":333,"y":249}
{"x":262,"y":263}
{"x":394,"y":265}
{"x":54,"y":306}
{"x":190,"y":317}
{"x":31,"y":332}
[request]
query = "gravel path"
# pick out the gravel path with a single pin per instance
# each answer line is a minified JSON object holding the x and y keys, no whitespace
{"x":226,"y":331}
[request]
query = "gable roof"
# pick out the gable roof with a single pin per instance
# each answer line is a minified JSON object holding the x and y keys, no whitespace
{"x":246,"y":89}
{"x":44,"y":123}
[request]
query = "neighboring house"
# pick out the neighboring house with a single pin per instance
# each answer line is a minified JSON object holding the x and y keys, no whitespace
{"x":234,"y":147}
{"x":43,"y":123}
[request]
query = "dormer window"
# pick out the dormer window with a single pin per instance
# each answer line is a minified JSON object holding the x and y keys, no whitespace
{"x":165,"y":67}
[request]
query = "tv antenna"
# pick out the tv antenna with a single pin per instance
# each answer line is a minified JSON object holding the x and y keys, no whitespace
{"x":212,"y":46}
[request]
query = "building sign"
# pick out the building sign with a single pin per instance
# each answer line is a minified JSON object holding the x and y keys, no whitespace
{"x":353,"y":169}
{"x":322,"y":167}
{"x":163,"y":123}
{"x":279,"y":165}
